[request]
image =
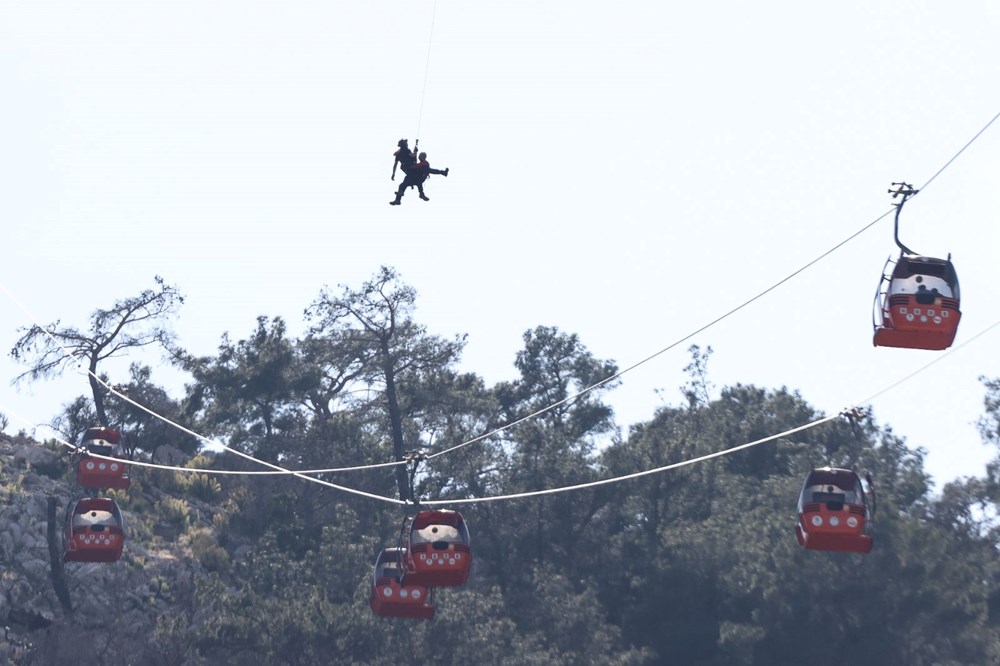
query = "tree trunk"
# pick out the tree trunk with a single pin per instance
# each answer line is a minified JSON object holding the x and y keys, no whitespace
{"x":395,"y":425}
{"x":55,"y":560}
{"x":98,"y":391}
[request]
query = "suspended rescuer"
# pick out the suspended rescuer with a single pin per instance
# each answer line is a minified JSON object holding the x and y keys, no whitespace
{"x":405,"y":159}
{"x":419,"y":172}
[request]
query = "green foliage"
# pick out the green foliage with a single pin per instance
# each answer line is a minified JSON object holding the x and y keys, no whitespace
{"x":252,"y":392}
{"x":200,"y":486}
{"x":203,"y":486}
{"x":207,"y":551}
{"x":698,"y":565}
{"x":135,"y":498}
{"x":383,"y":350}
{"x":221,"y":518}
{"x":174,"y":511}
{"x":989,"y":423}
{"x":201,"y":461}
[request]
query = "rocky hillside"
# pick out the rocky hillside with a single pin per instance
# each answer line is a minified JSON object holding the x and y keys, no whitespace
{"x":110,"y":609}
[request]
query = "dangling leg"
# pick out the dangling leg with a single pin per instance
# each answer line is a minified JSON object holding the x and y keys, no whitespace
{"x":420,"y":188}
{"x":399,"y":194}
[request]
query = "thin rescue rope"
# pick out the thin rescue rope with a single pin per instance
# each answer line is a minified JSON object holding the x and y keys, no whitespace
{"x":427,"y":67}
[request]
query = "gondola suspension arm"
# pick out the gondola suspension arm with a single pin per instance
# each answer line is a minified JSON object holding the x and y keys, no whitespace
{"x":907,"y":191}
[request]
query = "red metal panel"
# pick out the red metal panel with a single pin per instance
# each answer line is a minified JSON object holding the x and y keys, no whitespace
{"x":95,"y":473}
{"x":833,"y":531}
{"x":390,"y":599}
{"x":428,"y":565}
{"x":911,"y":325}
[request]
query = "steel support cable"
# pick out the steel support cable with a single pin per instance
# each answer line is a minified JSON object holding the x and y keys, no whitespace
{"x":277,"y":468}
{"x":169,"y":468}
{"x":674,"y":344}
{"x":634,"y":475}
{"x":86,"y":371}
{"x":955,"y":156}
{"x":188,"y":431}
{"x":937,"y":359}
{"x":174,"y":468}
{"x":916,"y":191}
{"x":590,"y":484}
{"x":138,"y":463}
{"x":544,"y":410}
{"x":247,"y":456}
{"x":717,"y":319}
{"x":709,"y":456}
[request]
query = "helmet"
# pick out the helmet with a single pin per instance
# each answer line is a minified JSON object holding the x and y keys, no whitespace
{"x":402,"y":142}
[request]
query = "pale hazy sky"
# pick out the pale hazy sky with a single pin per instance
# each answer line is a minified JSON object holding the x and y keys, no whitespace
{"x":625,"y":171}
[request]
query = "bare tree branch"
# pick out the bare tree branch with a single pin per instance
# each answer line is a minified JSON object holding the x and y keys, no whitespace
{"x":130,"y":323}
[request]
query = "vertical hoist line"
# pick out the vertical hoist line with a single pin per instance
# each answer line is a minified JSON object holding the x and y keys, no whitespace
{"x":427,"y":67}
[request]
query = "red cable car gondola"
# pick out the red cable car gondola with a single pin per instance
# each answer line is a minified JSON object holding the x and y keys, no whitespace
{"x":833,"y":512}
{"x":917,"y":301}
{"x":917,"y":304}
{"x":95,"y":531}
{"x":437,"y":549}
{"x":391,"y":598}
{"x":94,"y":473}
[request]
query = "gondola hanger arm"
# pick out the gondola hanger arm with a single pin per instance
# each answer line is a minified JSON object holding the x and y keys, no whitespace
{"x":906,"y":191}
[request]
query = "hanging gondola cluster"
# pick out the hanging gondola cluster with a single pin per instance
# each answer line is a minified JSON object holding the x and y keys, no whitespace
{"x":436,"y":553}
{"x":917,"y":306}
{"x":95,"y":530}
